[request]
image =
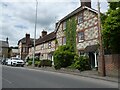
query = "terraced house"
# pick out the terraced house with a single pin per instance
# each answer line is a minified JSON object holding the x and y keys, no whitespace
{"x":79,"y":29}
{"x":45,"y":46}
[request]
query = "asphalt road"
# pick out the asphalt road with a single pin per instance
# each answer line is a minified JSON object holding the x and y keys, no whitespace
{"x":19,"y":77}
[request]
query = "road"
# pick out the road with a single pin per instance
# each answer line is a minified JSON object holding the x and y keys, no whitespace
{"x":20,"y":77}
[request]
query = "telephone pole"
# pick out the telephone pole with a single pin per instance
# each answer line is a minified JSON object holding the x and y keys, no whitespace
{"x":101,"y":50}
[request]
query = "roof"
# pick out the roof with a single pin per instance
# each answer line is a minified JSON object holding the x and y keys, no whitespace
{"x":91,"y":48}
{"x":23,"y":40}
{"x":49,"y":37}
{"x":4,"y":44}
{"x":73,"y":13}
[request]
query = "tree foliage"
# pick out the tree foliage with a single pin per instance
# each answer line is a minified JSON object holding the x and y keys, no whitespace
{"x":111,"y":28}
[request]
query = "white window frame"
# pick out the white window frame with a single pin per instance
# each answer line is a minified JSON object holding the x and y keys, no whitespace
{"x":64,"y":25}
{"x":80,"y":36}
{"x":49,"y":44}
{"x":42,"y":46}
{"x":64,"y":40}
{"x":80,"y":18}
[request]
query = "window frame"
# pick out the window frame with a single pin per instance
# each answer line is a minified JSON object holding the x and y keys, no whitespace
{"x":49,"y":44}
{"x":83,"y":36}
{"x":64,"y":41}
{"x":80,"y":18}
{"x":64,"y":25}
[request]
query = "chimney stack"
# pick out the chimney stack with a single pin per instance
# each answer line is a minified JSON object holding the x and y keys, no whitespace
{"x":27,"y":39}
{"x":44,"y":33}
{"x":86,"y":3}
{"x":7,"y":39}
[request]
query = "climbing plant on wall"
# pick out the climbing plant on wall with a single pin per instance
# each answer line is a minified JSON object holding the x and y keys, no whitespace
{"x":70,"y":33}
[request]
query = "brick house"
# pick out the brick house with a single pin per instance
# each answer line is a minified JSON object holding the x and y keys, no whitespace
{"x":86,"y":33}
{"x":45,"y":46}
{"x":23,"y":46}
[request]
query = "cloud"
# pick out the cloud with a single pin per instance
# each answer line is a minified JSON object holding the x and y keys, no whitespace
{"x":18,"y":16}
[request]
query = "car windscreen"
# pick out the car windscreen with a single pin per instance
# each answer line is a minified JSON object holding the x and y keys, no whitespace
{"x":16,"y":58}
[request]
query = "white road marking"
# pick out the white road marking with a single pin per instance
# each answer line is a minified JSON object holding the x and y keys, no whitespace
{"x":7,"y":80}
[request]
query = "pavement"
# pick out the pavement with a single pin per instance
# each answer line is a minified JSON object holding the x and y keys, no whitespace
{"x":90,"y":73}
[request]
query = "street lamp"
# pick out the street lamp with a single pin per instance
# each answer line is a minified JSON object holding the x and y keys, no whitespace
{"x":100,"y":42}
{"x":35,"y":32}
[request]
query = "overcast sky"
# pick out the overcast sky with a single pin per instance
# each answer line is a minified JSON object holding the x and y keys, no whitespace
{"x":17,"y":17}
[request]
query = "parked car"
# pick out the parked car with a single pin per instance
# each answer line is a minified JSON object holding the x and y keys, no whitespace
{"x":4,"y":61}
{"x":15,"y":62}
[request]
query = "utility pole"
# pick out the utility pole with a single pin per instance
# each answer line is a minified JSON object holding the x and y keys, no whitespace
{"x":101,"y":50}
{"x":35,"y":33}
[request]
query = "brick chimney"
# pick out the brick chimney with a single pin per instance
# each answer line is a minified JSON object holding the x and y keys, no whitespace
{"x":27,"y":39}
{"x":7,"y":39}
{"x":44,"y":33}
{"x":86,"y":3}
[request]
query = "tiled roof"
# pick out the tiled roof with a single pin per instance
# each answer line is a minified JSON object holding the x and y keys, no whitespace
{"x":46,"y":38}
{"x":23,"y":40}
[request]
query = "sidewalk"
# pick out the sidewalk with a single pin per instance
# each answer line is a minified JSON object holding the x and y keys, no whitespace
{"x":91,"y":73}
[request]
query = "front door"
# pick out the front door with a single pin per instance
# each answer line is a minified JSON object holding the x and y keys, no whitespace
{"x":92,"y":60}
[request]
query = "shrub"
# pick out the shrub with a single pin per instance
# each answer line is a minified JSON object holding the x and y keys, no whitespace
{"x":37,"y":63}
{"x":82,"y":63}
{"x":63,"y":57}
{"x":46,"y":62}
{"x":29,"y":62}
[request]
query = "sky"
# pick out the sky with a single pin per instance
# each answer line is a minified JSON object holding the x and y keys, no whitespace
{"x":17,"y":17}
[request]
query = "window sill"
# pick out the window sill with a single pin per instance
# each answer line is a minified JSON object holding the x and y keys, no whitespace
{"x":80,"y":41}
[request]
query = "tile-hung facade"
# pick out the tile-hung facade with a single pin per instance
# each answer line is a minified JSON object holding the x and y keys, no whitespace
{"x":23,"y":46}
{"x":45,"y":46}
{"x":86,"y":32}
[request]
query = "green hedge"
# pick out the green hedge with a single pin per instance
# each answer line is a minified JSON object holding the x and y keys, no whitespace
{"x":46,"y":62}
{"x":37,"y":63}
{"x":29,"y":62}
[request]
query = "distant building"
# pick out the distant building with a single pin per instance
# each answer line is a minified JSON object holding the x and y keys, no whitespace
{"x":14,"y":52}
{"x":4,"y":46}
{"x":23,"y":46}
{"x":45,"y":46}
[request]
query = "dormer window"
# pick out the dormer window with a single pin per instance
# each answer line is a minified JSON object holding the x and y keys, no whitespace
{"x":64,"y":25}
{"x":80,"y":18}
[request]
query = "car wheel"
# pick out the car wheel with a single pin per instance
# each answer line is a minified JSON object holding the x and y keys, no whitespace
{"x":22,"y":65}
{"x":11,"y":64}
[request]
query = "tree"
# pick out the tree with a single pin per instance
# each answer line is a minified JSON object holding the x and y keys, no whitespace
{"x":111,"y":28}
